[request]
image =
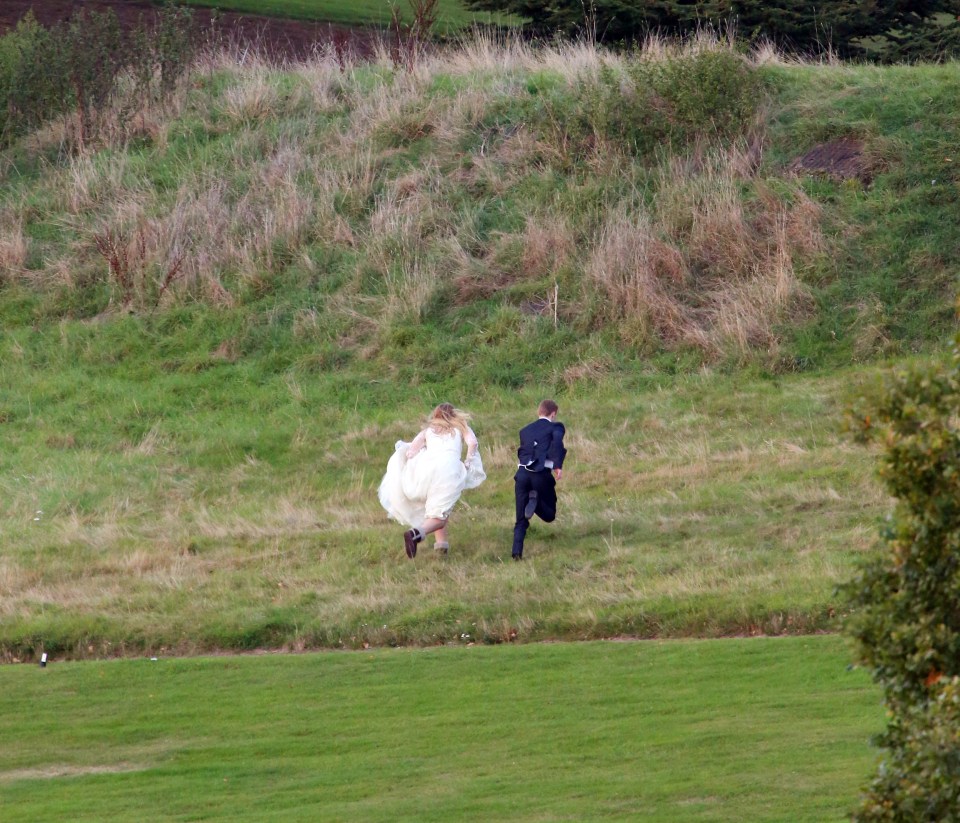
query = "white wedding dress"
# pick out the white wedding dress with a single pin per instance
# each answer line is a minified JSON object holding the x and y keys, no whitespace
{"x":428,"y":484}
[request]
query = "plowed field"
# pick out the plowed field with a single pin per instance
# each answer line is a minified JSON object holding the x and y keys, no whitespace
{"x":278,"y":37}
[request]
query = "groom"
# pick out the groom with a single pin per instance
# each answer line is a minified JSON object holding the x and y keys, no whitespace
{"x":540,"y":458}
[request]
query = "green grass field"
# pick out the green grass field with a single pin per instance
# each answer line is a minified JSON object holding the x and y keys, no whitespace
{"x":234,"y":508}
{"x":194,"y":469}
{"x":451,"y":14}
{"x":202,"y":475}
{"x":760,"y":730}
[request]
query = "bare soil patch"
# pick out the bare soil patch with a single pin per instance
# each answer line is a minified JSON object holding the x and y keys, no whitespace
{"x":277,"y":38}
{"x":842,"y":159}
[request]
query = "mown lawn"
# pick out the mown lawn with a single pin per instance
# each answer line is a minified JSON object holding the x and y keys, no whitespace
{"x":732,"y":730}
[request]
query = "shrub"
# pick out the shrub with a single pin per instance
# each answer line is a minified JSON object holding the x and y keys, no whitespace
{"x":32,"y":79}
{"x":907,"y":599}
{"x":710,"y":95}
{"x":76,"y":67}
{"x":91,"y":50}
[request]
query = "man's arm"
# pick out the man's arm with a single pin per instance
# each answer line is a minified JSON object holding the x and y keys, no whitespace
{"x":557,"y":451}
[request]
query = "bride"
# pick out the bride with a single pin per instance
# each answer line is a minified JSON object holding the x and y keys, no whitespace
{"x":425,"y":478}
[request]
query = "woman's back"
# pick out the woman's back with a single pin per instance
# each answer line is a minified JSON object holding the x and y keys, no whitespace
{"x":445,"y":442}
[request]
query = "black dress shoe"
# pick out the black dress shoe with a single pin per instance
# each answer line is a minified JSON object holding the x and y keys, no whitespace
{"x":531,"y":506}
{"x":410,"y":543}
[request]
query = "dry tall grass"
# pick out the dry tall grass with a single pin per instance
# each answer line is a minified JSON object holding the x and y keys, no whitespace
{"x":702,"y":265}
{"x":314,"y":162}
{"x":13,"y":245}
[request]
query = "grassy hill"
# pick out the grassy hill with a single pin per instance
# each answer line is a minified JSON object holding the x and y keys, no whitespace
{"x":216,"y":324}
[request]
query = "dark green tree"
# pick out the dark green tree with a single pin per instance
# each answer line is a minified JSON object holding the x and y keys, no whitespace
{"x":886,"y":29}
{"x":906,"y":600}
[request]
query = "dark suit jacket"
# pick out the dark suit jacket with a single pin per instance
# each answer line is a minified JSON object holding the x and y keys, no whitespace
{"x":541,"y":443}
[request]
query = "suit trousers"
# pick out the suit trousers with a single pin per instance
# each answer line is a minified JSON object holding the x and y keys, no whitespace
{"x":545,"y":486}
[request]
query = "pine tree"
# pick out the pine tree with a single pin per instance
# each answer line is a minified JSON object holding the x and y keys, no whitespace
{"x":895,"y":29}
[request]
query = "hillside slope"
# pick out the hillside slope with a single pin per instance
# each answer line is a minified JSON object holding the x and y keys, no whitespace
{"x":597,"y":206}
{"x":214,"y":326}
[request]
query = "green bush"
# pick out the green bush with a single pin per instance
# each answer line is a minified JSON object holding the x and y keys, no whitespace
{"x":665,"y":103}
{"x":920,"y":781}
{"x":906,"y":600}
{"x":708,"y":94}
{"x":93,"y":53}
{"x":32,"y":81}
{"x":161,"y":53}
{"x":75,"y":68}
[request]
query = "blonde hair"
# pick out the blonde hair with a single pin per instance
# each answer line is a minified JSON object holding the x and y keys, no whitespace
{"x":445,"y":419}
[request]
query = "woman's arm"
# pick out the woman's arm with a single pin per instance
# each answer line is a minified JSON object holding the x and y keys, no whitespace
{"x":472,"y":443}
{"x":418,"y":443}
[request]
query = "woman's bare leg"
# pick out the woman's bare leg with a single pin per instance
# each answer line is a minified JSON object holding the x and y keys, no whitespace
{"x":441,"y":544}
{"x":413,"y":536}
{"x":434,"y":524}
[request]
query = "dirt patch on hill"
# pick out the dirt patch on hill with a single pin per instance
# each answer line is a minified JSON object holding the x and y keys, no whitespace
{"x":277,"y":38}
{"x":843,"y":159}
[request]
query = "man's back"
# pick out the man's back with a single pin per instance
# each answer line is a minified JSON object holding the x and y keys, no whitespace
{"x":541,"y":445}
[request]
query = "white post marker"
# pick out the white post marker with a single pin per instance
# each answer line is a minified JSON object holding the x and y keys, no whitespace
{"x":43,"y":660}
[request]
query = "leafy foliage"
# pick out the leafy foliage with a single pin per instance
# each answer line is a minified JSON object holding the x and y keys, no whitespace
{"x":75,"y":68}
{"x":31,"y":89}
{"x":903,"y":30}
{"x":921,"y":778}
{"x":907,"y":600}
{"x":91,"y":54}
{"x":674,"y":101}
